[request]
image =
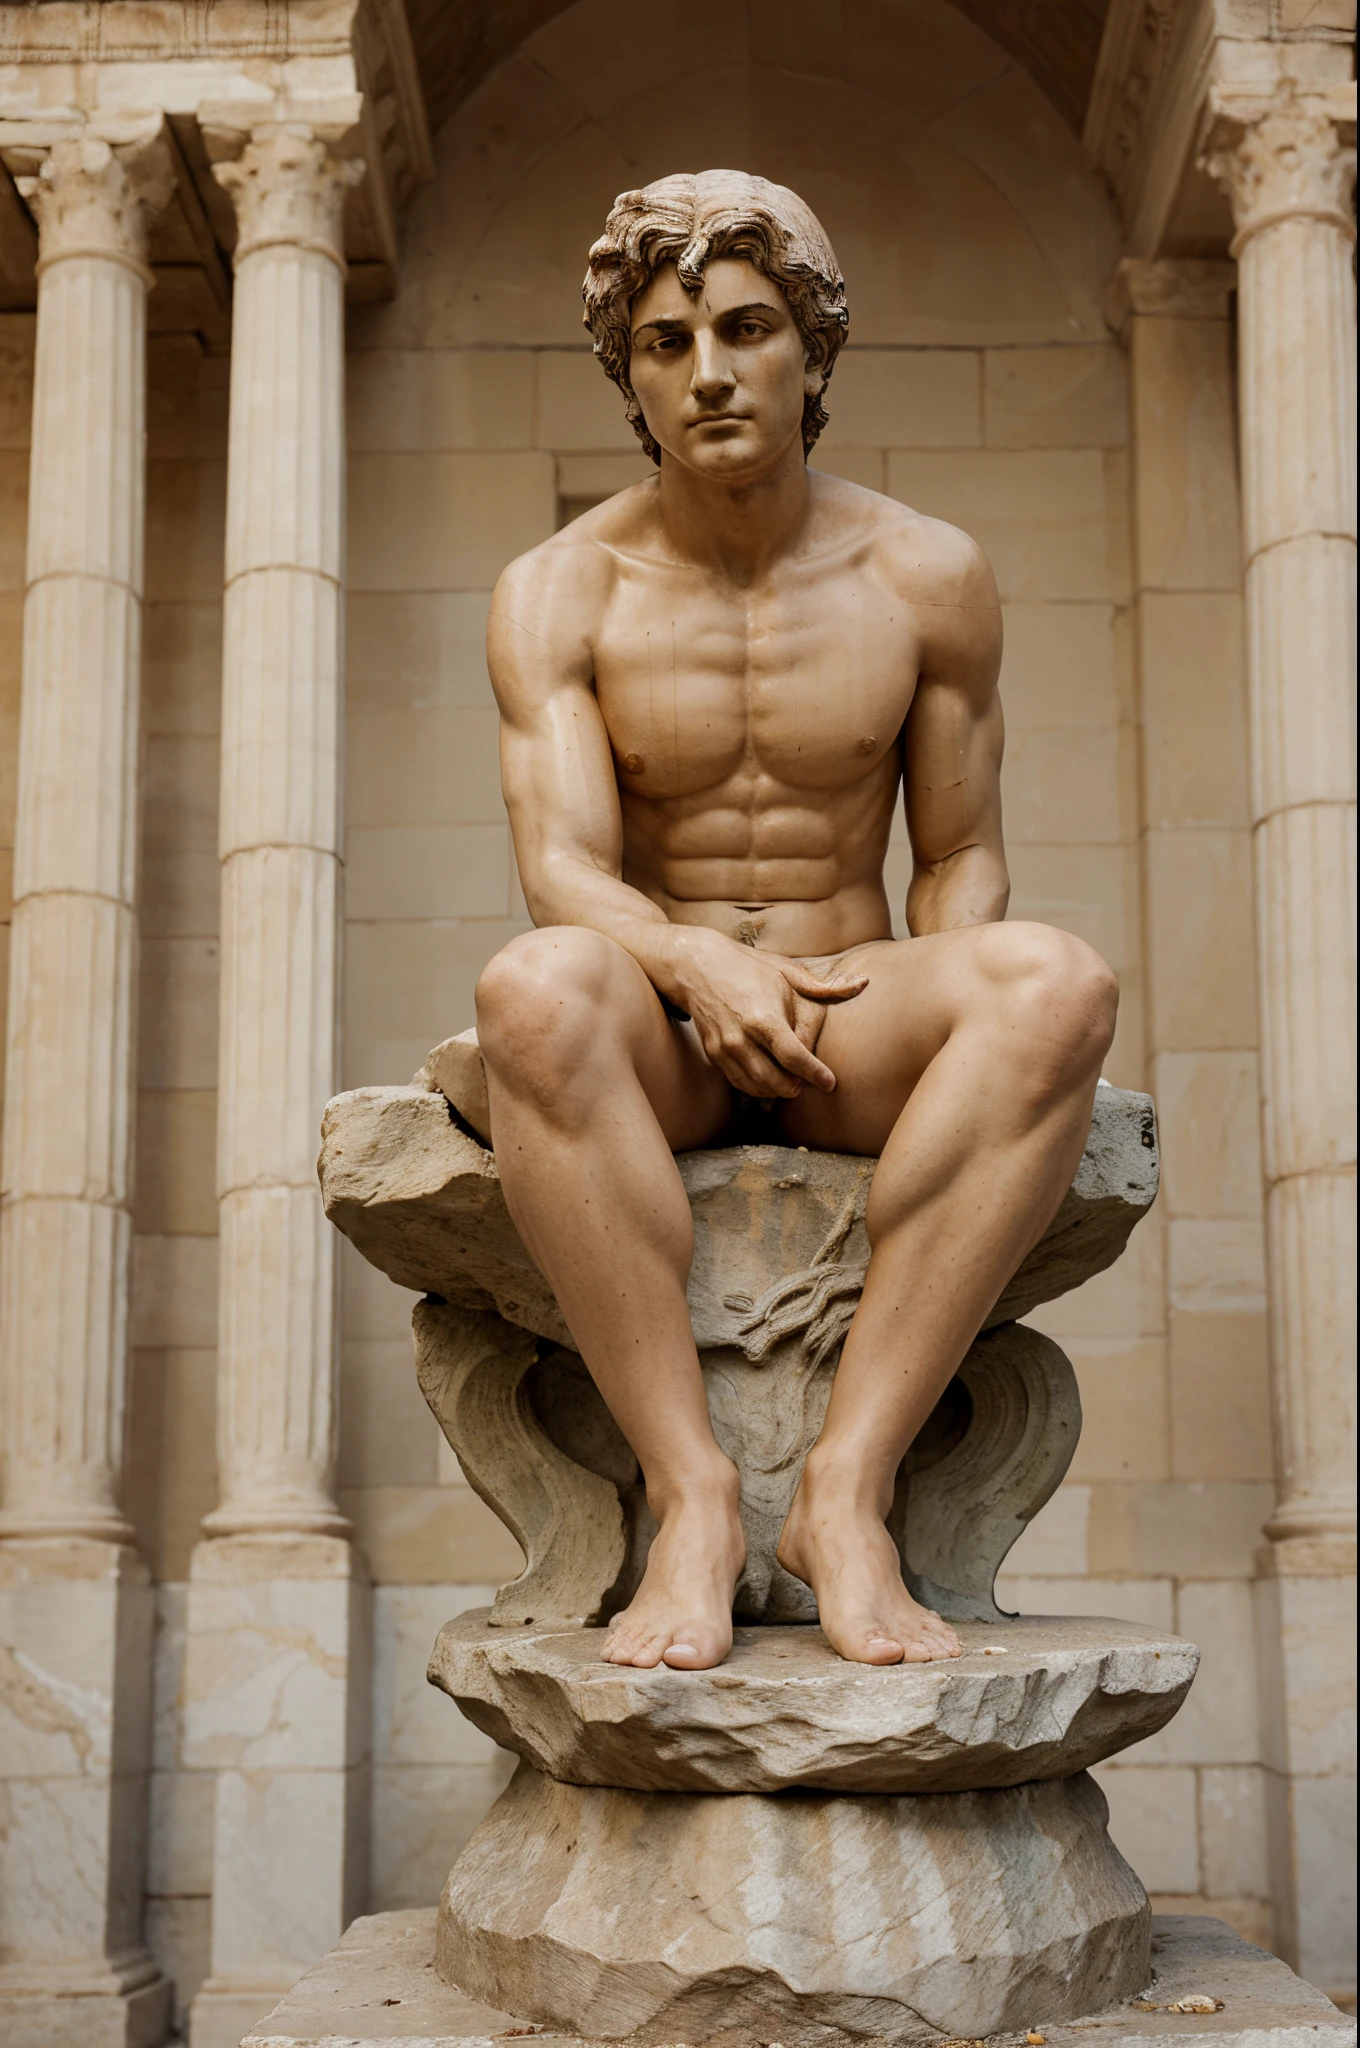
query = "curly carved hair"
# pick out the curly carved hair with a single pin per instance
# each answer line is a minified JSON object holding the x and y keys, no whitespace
{"x":689,"y":220}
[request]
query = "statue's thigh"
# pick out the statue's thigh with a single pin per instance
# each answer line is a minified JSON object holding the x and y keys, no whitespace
{"x":879,"y":1044}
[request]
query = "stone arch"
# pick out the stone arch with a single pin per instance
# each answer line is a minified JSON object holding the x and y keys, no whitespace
{"x":956,"y":196}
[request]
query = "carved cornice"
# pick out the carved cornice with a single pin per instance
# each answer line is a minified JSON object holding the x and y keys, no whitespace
{"x":93,"y":197}
{"x":1170,"y":288}
{"x":288,"y":187}
{"x":1289,"y":155}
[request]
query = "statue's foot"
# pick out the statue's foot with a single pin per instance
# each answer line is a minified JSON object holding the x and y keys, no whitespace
{"x":681,"y":1614}
{"x":836,"y":1544}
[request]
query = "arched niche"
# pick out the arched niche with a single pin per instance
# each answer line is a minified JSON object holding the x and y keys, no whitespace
{"x":957,"y":199}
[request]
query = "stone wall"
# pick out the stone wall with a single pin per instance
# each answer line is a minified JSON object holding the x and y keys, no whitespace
{"x":981,"y":384}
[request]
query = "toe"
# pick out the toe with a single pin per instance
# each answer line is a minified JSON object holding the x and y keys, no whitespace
{"x":695,"y":1650}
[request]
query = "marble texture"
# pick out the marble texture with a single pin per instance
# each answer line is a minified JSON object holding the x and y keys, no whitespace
{"x":1032,"y":1698}
{"x":663,"y":1917}
{"x":276,"y":1704}
{"x":75,"y":1724}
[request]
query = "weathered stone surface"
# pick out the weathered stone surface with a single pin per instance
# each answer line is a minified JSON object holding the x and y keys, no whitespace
{"x":822,"y":1917}
{"x":378,"y":1987}
{"x":780,"y":1247}
{"x":1032,"y":1698}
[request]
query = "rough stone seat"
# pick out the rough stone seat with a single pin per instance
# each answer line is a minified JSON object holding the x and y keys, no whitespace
{"x":779,"y":1261}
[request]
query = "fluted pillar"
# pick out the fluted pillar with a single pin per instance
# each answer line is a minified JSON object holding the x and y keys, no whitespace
{"x":65,"y":1237}
{"x":75,"y":1600}
{"x":280,"y":836}
{"x":1287,"y":161}
{"x":276,"y":1581}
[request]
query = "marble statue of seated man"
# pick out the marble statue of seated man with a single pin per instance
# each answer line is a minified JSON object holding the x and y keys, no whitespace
{"x":711,"y":688}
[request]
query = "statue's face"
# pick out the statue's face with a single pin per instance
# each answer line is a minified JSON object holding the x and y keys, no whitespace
{"x":720,"y":374}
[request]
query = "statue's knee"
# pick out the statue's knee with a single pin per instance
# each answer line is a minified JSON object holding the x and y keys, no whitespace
{"x":1057,"y":997}
{"x":539,"y":1000}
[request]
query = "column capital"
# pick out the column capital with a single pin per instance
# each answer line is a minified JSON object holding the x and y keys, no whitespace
{"x":288,"y":187}
{"x":95,"y":197}
{"x":1284,"y":155}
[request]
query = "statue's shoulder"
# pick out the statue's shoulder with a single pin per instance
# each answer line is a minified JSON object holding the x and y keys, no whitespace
{"x":580,"y":560}
{"x":925,"y":559}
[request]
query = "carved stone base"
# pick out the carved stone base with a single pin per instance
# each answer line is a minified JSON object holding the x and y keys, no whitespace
{"x":665,"y":1916}
{"x":1042,"y":1697}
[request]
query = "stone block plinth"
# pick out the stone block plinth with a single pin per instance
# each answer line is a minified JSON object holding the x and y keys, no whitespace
{"x":378,"y":1988}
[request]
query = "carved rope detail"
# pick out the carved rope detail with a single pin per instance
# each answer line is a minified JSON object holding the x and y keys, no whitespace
{"x":1287,"y":158}
{"x":820,"y":1301}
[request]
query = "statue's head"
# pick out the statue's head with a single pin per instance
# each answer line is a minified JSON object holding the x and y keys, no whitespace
{"x":660,"y":243}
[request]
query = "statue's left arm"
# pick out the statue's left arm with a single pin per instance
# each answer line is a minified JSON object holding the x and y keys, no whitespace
{"x":952,"y":743}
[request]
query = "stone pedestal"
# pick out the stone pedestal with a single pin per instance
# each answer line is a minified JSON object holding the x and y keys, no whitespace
{"x":901,"y":1852}
{"x":789,"y":1843}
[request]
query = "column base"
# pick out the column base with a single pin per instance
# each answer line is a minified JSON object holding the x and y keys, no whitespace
{"x":1306,"y":1628}
{"x":277,"y":1684}
{"x":130,"y":2008}
{"x":75,"y":1733}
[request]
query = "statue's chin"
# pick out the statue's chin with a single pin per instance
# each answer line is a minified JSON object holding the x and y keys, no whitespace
{"x":728,"y":455}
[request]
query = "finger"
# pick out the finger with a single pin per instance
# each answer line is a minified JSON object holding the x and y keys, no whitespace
{"x":741,"y":1062}
{"x":808,"y":1021}
{"x":822,"y":988}
{"x":796,"y":1058}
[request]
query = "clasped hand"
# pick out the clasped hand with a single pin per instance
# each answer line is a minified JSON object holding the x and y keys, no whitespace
{"x":758,"y":1015}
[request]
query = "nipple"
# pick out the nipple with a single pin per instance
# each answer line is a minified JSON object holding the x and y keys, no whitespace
{"x":867,"y":744}
{"x":634,"y":763}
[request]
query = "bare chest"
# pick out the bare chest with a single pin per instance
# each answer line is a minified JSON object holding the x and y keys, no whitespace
{"x":806,"y":685}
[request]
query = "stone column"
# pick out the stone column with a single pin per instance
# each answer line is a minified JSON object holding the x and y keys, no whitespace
{"x":75,"y":1599}
{"x":1287,"y":161}
{"x":276,"y":1675}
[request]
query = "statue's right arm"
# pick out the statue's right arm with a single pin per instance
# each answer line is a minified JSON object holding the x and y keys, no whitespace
{"x":557,"y":768}
{"x":557,"y":776}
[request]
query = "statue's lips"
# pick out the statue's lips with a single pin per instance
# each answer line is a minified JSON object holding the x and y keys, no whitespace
{"x":719,"y":419}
